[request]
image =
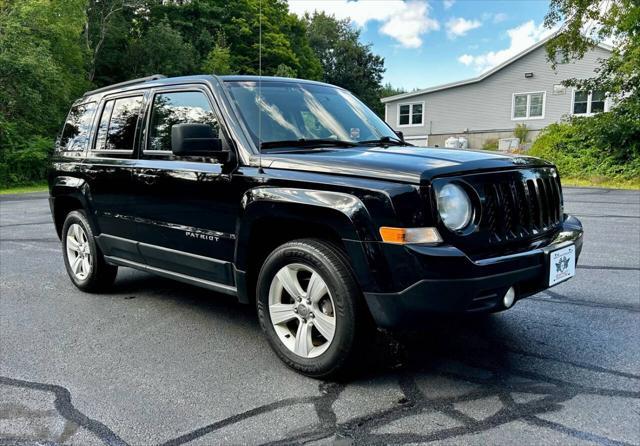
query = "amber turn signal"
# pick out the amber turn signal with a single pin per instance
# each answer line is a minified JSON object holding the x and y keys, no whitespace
{"x":409,"y":235}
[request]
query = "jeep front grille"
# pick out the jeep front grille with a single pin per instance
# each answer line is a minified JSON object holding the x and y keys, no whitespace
{"x":520,"y":208}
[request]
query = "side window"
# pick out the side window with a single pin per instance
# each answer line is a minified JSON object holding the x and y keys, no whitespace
{"x":580,"y":102}
{"x":405,"y":113}
{"x":118,"y":124}
{"x":75,"y":134}
{"x":589,"y":102}
{"x":528,"y":105}
{"x":177,"y":108}
{"x":410,"y":114}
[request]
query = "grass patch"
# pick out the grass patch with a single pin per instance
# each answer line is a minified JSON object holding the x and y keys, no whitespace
{"x":37,"y":187}
{"x":633,"y":184}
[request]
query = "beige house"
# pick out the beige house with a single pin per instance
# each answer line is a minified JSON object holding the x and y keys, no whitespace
{"x":522,"y":90}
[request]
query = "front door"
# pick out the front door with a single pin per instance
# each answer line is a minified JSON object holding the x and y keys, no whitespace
{"x":185,"y":207}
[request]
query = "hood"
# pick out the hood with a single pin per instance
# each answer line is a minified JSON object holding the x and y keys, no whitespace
{"x":408,"y":164}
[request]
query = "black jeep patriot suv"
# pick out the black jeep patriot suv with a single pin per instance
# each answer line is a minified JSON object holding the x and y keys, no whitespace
{"x":294,"y":194}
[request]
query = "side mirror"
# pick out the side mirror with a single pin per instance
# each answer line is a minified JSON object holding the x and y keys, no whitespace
{"x":195,"y":140}
{"x":400,"y":135}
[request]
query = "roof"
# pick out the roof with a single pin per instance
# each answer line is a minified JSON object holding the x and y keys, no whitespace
{"x":478,"y":78}
{"x":255,"y":78}
{"x":159,"y":79}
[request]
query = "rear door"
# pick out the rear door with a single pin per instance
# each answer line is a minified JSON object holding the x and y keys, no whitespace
{"x":186,"y":205}
{"x":108,"y":169}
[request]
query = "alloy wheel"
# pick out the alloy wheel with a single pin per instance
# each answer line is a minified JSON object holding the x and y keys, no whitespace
{"x":79,"y":253}
{"x":302,"y":310}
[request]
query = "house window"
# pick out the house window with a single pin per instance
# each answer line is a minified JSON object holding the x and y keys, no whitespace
{"x":528,"y":105}
{"x":410,"y":114}
{"x":587,"y":103}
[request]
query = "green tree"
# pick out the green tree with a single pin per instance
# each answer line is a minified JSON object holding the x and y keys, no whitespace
{"x":218,"y":60}
{"x":345,"y":60}
{"x":389,"y":90}
{"x":284,"y":39}
{"x":111,"y":63}
{"x":100,"y":16}
{"x":285,"y":71}
{"x":42,"y":69}
{"x":161,"y":49}
{"x":197,"y":20}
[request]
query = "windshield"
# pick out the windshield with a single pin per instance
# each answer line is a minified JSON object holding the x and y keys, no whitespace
{"x":292,"y":111}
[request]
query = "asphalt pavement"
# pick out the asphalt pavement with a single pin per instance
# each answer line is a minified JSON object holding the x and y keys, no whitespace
{"x":159,"y":362}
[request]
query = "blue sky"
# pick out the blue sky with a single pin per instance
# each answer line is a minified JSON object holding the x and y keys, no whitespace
{"x":432,"y":42}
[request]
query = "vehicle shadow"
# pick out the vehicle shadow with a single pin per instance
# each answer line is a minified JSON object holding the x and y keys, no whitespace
{"x":440,"y":336}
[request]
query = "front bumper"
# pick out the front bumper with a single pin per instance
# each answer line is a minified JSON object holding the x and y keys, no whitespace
{"x":451,"y":282}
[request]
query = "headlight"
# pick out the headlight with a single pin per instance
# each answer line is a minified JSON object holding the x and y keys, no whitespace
{"x":454,"y":207}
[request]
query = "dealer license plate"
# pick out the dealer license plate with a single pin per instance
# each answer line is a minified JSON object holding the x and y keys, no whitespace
{"x":562,"y":265}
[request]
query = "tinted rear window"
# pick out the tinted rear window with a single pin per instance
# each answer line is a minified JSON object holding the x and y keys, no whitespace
{"x":118,"y":124}
{"x":75,"y":134}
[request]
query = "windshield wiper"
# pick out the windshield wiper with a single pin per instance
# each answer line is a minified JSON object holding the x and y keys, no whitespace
{"x":385,"y":140}
{"x":303,"y":142}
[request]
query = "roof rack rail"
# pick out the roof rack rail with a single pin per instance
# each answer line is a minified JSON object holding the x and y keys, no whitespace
{"x":125,"y":83}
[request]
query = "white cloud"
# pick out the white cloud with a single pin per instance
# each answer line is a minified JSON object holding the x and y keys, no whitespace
{"x":500,"y":17}
{"x":520,"y":38}
{"x":448,"y":3}
{"x":458,"y":26}
{"x":403,"y":21}
{"x":408,"y":26}
{"x":466,"y":59}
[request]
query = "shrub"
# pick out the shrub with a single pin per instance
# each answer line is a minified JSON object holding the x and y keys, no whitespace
{"x":26,"y":165}
{"x":521,"y":132}
{"x":606,"y":145}
{"x":490,"y":144}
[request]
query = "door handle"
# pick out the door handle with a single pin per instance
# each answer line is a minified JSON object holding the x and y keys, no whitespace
{"x":89,"y":172}
{"x":147,"y":177}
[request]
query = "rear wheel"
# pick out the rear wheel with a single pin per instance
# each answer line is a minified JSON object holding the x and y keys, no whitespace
{"x":311,"y":308}
{"x":83,"y":259}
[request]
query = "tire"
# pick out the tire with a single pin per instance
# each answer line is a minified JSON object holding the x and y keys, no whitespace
{"x":311,"y":310}
{"x":84,"y":262}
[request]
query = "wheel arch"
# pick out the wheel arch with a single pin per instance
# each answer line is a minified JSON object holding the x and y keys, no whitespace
{"x":272,"y":216}
{"x":68,"y":194}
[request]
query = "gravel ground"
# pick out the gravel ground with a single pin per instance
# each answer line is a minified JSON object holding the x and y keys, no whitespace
{"x":158,"y":362}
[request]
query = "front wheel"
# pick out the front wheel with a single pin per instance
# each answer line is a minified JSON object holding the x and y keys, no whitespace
{"x":310,"y":307}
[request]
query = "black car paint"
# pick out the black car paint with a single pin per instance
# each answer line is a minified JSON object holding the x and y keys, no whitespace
{"x":193,"y":219}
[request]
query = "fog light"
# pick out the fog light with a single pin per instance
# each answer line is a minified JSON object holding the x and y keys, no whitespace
{"x":509,"y":297}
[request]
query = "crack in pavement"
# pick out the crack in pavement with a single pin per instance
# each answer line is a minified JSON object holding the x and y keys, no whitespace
{"x":365,"y":429}
{"x":539,"y":422}
{"x":65,"y":408}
